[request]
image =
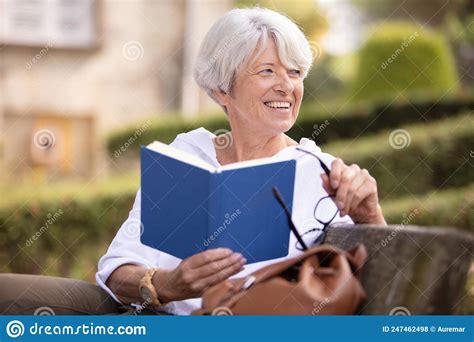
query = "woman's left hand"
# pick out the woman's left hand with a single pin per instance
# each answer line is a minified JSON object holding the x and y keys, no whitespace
{"x":355,"y":192}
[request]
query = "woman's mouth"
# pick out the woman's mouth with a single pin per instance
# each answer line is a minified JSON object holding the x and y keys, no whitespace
{"x":279,"y":106}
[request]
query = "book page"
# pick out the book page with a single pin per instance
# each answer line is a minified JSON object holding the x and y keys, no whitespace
{"x":180,"y":155}
{"x":249,"y":163}
{"x":188,"y":158}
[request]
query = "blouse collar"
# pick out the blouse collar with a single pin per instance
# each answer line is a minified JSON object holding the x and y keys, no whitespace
{"x":203,"y":140}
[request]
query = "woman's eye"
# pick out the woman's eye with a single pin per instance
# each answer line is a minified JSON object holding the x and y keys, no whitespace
{"x":267,"y":71}
{"x":295,"y":72}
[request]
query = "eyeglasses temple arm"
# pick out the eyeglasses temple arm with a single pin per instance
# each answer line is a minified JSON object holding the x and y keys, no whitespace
{"x":323,"y":166}
{"x":280,"y":200}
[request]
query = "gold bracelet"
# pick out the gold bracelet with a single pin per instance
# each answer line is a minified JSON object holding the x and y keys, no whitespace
{"x":148,"y":290}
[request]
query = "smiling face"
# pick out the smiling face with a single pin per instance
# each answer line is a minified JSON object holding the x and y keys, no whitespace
{"x":265,"y":96}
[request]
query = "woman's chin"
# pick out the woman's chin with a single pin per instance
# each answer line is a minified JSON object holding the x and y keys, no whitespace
{"x":280,"y":125}
{"x":283,"y":122}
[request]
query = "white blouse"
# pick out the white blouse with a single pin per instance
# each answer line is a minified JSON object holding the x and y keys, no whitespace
{"x":126,"y":247}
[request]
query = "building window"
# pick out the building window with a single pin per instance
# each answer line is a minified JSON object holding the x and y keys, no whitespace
{"x":54,"y":23}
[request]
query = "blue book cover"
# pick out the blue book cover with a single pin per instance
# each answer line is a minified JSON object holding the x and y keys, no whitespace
{"x":189,"y":206}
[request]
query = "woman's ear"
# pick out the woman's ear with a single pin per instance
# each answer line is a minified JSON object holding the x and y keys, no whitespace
{"x":221,"y":96}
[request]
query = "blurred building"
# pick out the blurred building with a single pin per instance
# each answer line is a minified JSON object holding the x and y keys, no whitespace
{"x":71,"y":70}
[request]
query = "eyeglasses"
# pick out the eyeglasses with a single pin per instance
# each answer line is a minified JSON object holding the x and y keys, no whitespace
{"x":325,"y":211}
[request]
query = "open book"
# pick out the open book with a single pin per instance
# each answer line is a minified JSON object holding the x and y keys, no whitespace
{"x":188,"y":205}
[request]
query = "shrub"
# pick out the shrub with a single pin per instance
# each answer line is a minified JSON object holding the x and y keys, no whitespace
{"x":403,"y":59}
{"x":439,"y":155}
{"x":363,"y":121}
{"x":63,"y":234}
{"x":344,"y":123}
{"x":452,"y":207}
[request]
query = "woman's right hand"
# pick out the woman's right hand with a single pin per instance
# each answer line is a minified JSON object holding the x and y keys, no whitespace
{"x":196,"y":273}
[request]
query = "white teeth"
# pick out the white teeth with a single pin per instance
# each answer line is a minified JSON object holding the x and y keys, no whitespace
{"x":275,"y":104}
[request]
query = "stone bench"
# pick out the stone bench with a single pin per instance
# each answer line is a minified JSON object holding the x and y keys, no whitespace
{"x":410,"y":270}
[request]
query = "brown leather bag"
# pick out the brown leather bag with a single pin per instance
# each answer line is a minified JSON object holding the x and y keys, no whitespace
{"x":324,"y":280}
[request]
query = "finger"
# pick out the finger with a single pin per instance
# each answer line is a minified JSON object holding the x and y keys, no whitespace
{"x":337,"y":167}
{"x":208,"y":256}
{"x":354,"y":187}
{"x":219,"y":265}
{"x":367,"y":189}
{"x":326,"y":184}
{"x":204,"y":283}
{"x":348,"y":175}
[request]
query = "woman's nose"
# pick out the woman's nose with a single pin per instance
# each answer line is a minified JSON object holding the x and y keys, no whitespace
{"x":284,"y":84}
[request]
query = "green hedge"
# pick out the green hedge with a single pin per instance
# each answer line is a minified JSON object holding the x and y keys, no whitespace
{"x":403,"y":59}
{"x":78,"y":232}
{"x":452,"y":207}
{"x":343,"y":123}
{"x":363,"y":121}
{"x":438,"y":156}
{"x":73,"y":244}
{"x":127,"y":141}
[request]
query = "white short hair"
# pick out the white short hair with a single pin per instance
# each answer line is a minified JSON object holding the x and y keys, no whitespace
{"x":233,"y":39}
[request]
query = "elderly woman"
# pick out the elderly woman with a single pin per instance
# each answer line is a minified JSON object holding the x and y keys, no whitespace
{"x":252,"y":63}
